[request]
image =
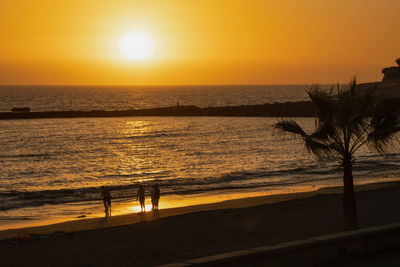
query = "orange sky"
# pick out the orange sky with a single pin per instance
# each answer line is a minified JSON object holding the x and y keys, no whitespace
{"x":198,"y":42}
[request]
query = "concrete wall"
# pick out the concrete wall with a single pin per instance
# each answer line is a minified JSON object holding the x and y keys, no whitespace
{"x":307,"y":252}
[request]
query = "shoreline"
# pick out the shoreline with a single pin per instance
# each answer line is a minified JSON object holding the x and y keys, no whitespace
{"x":96,"y":223}
{"x":227,"y":226}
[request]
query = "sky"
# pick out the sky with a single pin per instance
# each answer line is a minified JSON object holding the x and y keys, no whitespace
{"x":75,"y":42}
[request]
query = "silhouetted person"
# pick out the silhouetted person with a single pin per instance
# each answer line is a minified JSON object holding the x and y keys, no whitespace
{"x":155,"y":196}
{"x":106,"y":196}
{"x":140,"y":197}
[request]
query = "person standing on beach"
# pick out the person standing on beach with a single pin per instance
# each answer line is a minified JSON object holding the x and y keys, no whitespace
{"x":106,"y":196}
{"x":140,"y":197}
{"x":155,"y":196}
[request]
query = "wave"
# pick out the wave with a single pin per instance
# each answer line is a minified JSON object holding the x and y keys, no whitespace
{"x":30,"y":155}
{"x":188,"y":185}
{"x":16,"y":218}
{"x":181,"y":186}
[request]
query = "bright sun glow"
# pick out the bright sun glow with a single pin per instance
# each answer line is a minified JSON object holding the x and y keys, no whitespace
{"x":136,"y":45}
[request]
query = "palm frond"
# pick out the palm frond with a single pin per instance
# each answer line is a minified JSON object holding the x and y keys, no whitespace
{"x":319,"y":148}
{"x":383,"y":140}
{"x":353,"y":85}
{"x":316,"y":144}
{"x":354,"y":108}
{"x":289,"y":126}
{"x":344,"y":123}
{"x":385,"y":125}
{"x":326,"y":130}
{"x":344,"y":110}
{"x":324,"y":101}
{"x":366,"y":100}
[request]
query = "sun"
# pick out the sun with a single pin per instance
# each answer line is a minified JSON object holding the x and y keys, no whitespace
{"x":136,"y":45}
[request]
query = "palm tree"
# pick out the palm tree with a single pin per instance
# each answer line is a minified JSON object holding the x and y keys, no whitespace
{"x":345,"y":121}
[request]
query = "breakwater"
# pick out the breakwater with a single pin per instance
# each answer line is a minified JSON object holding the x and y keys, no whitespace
{"x":287,"y":109}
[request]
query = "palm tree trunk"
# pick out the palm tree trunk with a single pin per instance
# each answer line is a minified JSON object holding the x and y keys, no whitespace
{"x":349,"y":200}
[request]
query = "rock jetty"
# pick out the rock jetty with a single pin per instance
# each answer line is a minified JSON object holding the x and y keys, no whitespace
{"x":288,"y":109}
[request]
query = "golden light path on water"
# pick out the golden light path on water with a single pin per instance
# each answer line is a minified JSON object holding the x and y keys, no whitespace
{"x":195,"y":161}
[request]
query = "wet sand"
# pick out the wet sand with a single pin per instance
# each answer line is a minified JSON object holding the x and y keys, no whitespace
{"x":188,"y":232}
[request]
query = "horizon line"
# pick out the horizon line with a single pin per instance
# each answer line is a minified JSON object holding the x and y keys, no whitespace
{"x":165,"y":85}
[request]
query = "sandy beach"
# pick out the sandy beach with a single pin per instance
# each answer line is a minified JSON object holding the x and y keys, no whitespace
{"x":194,"y":231}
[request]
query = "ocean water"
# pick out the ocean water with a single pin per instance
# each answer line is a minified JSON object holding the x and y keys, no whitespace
{"x":50,"y":98}
{"x":53,"y":168}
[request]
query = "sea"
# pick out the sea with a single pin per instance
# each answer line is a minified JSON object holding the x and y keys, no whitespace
{"x":52,"y":169}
